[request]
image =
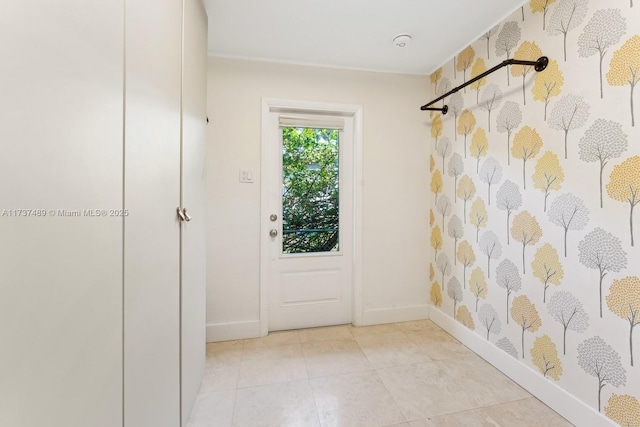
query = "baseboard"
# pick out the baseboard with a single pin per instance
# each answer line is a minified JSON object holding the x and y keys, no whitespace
{"x":564,"y":403}
{"x":233,"y":330}
{"x":396,"y":314}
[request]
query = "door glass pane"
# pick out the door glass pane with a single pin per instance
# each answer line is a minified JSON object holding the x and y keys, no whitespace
{"x":310,"y":190}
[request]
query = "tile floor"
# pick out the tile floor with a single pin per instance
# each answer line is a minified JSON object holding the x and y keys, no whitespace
{"x":409,"y":374}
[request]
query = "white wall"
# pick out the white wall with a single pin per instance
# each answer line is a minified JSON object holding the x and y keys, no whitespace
{"x":395,"y":180}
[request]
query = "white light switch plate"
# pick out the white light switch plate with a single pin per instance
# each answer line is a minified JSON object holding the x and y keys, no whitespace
{"x":246,"y":176}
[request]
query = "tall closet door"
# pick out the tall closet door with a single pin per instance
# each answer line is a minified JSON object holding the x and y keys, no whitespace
{"x":61,"y":268}
{"x":193,"y":199}
{"x":151,"y":229}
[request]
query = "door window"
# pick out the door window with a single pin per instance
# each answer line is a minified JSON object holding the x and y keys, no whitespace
{"x":310,"y":190}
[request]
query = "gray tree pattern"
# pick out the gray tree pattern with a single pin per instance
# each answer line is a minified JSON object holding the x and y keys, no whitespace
{"x":491,"y":99}
{"x":569,"y":212}
{"x":604,"y":140}
{"x":509,"y":199}
{"x":455,"y":231}
{"x":456,"y":168}
{"x":488,"y":317}
{"x":454,"y":290}
{"x":444,"y":149}
{"x":509,"y":118}
{"x":491,"y":247}
{"x":605,"y":28}
{"x":567,"y":309}
{"x":490,"y":173}
{"x":444,"y":208}
{"x":600,"y":360}
{"x":602,"y":251}
{"x":487,"y":36}
{"x":567,"y":16}
{"x":444,"y":266}
{"x":456,"y":106}
{"x":508,"y":277}
{"x":507,"y":346}
{"x":570,"y":113}
{"x":507,"y":40}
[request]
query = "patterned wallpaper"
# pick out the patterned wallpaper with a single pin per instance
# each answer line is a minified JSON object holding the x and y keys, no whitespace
{"x":535,"y":177}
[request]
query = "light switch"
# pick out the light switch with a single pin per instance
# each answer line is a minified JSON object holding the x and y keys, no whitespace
{"x":246,"y":176}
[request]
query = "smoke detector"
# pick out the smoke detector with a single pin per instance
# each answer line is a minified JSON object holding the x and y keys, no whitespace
{"x":402,"y":40}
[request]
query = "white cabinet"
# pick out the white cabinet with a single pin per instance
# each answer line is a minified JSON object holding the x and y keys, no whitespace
{"x":102,"y":108}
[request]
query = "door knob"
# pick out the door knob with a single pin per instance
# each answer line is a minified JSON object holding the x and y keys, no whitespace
{"x":181,"y":216}
{"x":273,"y":232}
{"x":187,"y":217}
{"x":273,"y":217}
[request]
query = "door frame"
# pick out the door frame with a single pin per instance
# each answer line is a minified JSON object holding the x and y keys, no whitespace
{"x":306,"y":107}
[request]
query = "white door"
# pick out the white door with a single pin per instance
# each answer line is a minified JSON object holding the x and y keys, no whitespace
{"x":61,"y":159}
{"x":151,"y":229}
{"x":193,"y":248}
{"x":309,"y":229}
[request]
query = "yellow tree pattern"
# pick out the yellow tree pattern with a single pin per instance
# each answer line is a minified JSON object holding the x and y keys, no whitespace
{"x":526,"y":145}
{"x":436,"y":183}
{"x":465,"y":59}
{"x":478,"y":215}
{"x":548,"y":175}
{"x":548,"y":84}
{"x":436,"y":294}
{"x":478,"y":68}
{"x":624,"y":301}
{"x":467,"y":258}
{"x":464,"y":316}
{"x":623,"y":409}
{"x":479,"y":146}
{"x":526,"y":230}
{"x":432,"y":163}
{"x":547,"y":267}
{"x":544,"y":356}
{"x":436,"y":128}
{"x":435,"y":78}
{"x":436,"y":240}
{"x":528,"y":51}
{"x":432,"y":272}
{"x":624,"y":68}
{"x":466,"y":123}
{"x":478,"y":285}
{"x":624,"y":185}
{"x":466,"y":191}
{"x":432,"y":218}
{"x":538,"y":6}
{"x":524,"y":313}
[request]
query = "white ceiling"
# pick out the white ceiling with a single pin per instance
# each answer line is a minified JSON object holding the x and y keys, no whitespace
{"x":351,"y":33}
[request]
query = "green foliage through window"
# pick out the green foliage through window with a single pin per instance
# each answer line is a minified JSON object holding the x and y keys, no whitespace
{"x":310,"y":190}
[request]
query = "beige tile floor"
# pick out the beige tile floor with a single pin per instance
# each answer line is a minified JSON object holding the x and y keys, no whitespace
{"x":409,"y":374}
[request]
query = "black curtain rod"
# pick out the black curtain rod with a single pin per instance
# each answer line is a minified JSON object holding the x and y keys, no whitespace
{"x":538,"y":65}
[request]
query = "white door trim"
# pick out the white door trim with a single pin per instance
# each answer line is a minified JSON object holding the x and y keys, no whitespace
{"x":355,"y":111}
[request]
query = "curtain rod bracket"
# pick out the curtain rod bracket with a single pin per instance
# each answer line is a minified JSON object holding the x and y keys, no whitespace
{"x":539,"y":65}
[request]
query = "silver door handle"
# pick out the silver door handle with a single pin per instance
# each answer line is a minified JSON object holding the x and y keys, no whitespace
{"x":181,"y":216}
{"x":187,"y":217}
{"x":273,"y":232}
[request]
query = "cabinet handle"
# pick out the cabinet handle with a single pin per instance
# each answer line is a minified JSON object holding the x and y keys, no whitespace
{"x":187,"y":217}
{"x":181,"y":216}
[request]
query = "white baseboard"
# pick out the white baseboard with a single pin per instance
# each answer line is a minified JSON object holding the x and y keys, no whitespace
{"x":233,"y":330}
{"x":564,"y":403}
{"x":396,"y":314}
